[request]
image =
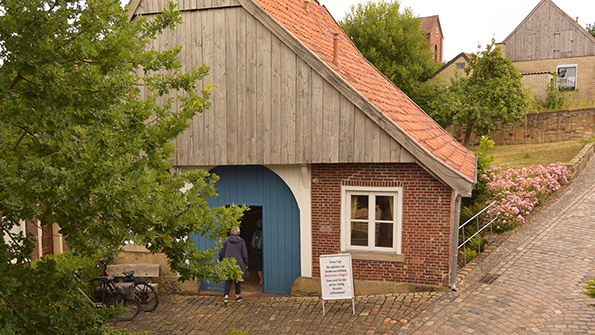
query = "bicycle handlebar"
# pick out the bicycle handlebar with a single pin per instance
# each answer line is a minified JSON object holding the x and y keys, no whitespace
{"x":77,"y":275}
{"x":104,"y":262}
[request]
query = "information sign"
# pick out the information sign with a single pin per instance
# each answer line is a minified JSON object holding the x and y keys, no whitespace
{"x":336,"y":278}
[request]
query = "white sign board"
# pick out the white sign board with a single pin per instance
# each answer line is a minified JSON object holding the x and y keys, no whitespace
{"x":336,"y":277}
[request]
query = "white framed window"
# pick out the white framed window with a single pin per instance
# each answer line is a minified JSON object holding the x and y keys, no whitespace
{"x":567,"y":77}
{"x":371,"y":219}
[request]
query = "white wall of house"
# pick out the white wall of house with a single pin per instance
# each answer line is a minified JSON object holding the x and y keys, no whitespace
{"x":20,"y":228}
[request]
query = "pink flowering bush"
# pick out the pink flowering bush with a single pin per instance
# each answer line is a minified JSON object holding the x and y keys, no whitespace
{"x":518,"y":191}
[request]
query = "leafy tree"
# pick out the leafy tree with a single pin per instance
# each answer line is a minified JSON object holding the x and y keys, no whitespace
{"x":493,"y":91}
{"x":86,"y":122}
{"x":394,"y":43}
{"x":591,"y":29}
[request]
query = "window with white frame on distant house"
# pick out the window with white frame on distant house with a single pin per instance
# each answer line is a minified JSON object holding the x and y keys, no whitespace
{"x":371,"y":219}
{"x":567,"y":77}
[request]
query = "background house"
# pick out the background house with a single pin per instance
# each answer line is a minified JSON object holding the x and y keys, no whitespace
{"x":448,"y":70}
{"x":47,"y":239}
{"x":433,"y":30}
{"x":549,"y":41}
{"x":327,"y":152}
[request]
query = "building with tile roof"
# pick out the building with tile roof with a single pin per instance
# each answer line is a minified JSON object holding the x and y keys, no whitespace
{"x":327,"y":152}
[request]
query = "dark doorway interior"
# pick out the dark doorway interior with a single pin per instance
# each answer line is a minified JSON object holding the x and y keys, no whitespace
{"x":251,"y":283}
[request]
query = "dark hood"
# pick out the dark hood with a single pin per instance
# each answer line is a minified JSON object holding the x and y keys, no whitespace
{"x":234,"y":239}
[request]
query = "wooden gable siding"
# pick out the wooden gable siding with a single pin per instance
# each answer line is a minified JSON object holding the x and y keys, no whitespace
{"x":155,"y":6}
{"x":270,"y":106}
{"x":548,"y":33}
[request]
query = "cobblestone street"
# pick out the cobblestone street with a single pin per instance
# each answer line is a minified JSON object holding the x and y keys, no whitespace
{"x":205,"y":314}
{"x":540,"y":269}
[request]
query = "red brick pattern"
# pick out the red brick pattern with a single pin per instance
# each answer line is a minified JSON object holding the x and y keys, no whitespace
{"x":31,"y":228}
{"x":427,"y":212}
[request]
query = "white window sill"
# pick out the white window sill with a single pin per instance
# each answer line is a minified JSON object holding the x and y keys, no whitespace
{"x":375,"y":256}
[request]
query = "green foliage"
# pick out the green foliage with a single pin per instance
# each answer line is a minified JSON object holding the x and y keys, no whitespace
{"x":233,"y":331}
{"x":493,"y":91}
{"x":86,"y":126}
{"x":554,"y":99}
{"x":484,"y":162}
{"x":590,"y":290}
{"x":591,"y":29}
{"x":42,"y":299}
{"x":469,"y":254}
{"x":227,"y":269}
{"x":394,"y":43}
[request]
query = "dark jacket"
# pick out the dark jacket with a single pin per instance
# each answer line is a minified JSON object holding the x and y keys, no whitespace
{"x":235,"y":247}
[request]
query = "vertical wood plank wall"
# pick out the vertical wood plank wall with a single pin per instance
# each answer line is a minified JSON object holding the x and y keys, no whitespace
{"x":270,"y":107}
{"x":548,"y":33}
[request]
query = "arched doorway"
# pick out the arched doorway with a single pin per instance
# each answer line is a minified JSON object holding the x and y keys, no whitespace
{"x":261,"y":188}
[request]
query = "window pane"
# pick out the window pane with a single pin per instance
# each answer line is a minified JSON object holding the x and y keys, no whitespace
{"x":384,"y":235}
{"x":384,"y":208}
{"x":567,"y":78}
{"x":359,"y":233}
{"x":359,"y":207}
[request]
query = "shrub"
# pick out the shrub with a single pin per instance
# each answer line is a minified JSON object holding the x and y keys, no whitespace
{"x":590,"y":290}
{"x":518,"y":191}
{"x":48,"y":302}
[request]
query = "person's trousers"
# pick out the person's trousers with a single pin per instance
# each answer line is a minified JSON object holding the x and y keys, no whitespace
{"x":228,"y":287}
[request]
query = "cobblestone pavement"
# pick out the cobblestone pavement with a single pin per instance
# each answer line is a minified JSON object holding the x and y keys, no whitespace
{"x":204,"y":314}
{"x":542,"y":269}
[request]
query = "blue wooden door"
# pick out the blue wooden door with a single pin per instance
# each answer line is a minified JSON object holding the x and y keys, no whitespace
{"x":259,"y":186}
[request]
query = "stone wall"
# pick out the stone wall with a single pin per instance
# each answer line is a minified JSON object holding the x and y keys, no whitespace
{"x":555,"y":126}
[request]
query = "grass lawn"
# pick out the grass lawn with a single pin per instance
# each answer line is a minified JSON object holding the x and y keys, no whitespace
{"x":514,"y":156}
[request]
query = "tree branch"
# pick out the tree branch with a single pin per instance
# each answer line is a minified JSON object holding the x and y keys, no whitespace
{"x":15,"y":81}
{"x":20,"y":139}
{"x":9,"y":303}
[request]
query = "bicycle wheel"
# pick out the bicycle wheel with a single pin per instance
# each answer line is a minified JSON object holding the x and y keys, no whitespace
{"x":147,"y":296}
{"x":129,"y":309}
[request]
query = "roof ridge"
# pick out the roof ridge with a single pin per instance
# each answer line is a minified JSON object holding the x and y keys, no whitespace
{"x":413,"y":128}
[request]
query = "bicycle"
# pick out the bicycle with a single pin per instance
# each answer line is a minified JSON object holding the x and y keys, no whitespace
{"x":109,"y":294}
{"x":144,"y":291}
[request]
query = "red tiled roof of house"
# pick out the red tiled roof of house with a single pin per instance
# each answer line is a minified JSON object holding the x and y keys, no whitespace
{"x":315,"y":30}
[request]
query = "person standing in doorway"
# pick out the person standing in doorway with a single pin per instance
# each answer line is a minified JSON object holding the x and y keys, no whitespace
{"x":235,"y":247}
{"x":257,"y":246}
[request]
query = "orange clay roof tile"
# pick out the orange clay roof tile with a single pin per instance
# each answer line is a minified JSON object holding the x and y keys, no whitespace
{"x":315,"y":30}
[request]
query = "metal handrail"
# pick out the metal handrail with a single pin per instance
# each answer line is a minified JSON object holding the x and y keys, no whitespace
{"x":477,"y":217}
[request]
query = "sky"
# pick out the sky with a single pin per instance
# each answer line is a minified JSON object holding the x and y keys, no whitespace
{"x":465,"y":24}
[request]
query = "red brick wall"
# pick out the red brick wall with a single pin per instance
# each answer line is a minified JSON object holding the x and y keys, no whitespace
{"x":427,"y":211}
{"x":31,"y":228}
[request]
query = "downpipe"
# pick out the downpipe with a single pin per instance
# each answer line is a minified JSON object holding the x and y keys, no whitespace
{"x":455,"y":243}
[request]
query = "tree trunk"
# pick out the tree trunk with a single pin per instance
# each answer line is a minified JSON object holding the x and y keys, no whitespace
{"x":467,"y":136}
